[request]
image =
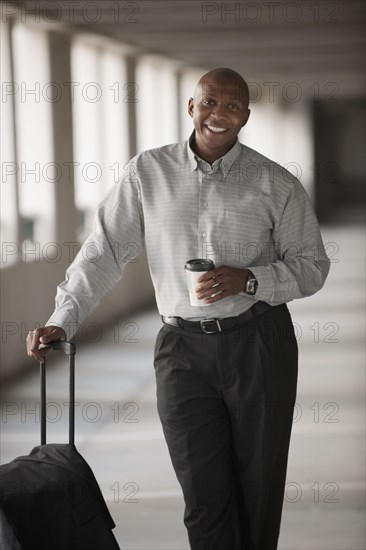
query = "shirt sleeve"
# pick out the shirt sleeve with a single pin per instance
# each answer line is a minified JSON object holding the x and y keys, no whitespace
{"x":301,"y":266}
{"x":117,"y":237}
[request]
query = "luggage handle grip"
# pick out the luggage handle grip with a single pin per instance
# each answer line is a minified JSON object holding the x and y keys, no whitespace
{"x":69,"y":349}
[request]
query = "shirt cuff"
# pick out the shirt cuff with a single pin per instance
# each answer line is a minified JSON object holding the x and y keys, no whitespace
{"x":265,"y":280}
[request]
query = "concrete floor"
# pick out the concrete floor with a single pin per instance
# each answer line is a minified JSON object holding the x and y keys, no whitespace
{"x":119,"y":433}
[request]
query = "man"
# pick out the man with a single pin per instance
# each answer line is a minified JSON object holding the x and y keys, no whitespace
{"x":226,"y":372}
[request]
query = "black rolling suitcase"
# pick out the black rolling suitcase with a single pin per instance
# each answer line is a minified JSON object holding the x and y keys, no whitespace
{"x":50,"y":499}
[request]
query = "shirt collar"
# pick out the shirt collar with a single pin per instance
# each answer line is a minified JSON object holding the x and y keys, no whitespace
{"x":226,"y":161}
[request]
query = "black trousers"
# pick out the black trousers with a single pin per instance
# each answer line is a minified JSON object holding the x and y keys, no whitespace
{"x":226,"y":403}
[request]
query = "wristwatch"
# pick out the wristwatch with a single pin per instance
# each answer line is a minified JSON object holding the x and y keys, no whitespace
{"x":251,"y":285}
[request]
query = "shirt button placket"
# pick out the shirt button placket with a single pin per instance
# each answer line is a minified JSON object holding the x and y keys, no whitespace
{"x":202,"y":232}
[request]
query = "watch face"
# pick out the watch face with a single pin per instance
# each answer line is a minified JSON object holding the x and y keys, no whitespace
{"x":251,"y":286}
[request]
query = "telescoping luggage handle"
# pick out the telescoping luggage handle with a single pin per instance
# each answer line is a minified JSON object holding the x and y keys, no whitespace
{"x":69,"y":349}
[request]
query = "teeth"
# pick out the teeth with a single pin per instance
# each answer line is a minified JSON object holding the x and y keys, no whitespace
{"x":217,"y":130}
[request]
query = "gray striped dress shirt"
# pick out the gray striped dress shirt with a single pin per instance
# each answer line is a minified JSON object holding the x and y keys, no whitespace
{"x":243,"y":211}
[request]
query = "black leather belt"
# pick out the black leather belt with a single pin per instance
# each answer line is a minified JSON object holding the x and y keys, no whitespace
{"x":211,"y":326}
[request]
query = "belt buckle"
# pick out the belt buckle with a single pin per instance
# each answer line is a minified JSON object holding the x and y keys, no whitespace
{"x":205,"y":330}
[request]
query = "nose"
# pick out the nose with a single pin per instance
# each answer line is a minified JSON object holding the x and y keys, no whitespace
{"x":218,"y":112}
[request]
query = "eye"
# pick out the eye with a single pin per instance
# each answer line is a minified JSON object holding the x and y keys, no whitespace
{"x":233,"y":106}
{"x":208,"y":102}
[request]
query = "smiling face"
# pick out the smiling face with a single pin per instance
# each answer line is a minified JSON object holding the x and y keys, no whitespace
{"x":219,"y":110}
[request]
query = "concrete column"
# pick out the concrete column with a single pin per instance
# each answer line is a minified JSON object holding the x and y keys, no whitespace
{"x":18,"y":227}
{"x":65,"y":211}
{"x":132,"y":127}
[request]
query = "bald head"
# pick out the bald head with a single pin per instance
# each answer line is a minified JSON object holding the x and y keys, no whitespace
{"x":223,"y":80}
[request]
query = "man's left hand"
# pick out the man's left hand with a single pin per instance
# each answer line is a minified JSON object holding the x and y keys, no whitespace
{"x":225,"y":280}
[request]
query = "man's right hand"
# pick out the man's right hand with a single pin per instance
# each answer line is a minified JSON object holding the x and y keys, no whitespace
{"x":43,"y":336}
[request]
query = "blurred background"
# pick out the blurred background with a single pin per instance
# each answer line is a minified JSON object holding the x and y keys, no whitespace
{"x":84,"y":87}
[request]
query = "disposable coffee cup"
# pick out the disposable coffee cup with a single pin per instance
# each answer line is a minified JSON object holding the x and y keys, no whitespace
{"x":194,"y":269}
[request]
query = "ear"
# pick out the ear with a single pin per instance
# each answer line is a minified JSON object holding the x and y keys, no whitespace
{"x":190,"y":106}
{"x":246,"y":118}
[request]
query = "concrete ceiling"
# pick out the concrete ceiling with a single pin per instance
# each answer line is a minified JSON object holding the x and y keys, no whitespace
{"x":303,"y":40}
